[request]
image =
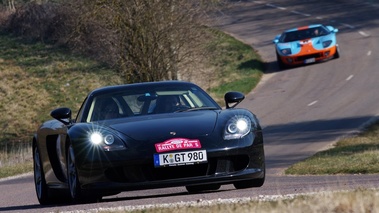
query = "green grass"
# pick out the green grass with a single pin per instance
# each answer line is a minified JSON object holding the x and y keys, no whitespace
{"x":239,"y":67}
{"x":354,"y":155}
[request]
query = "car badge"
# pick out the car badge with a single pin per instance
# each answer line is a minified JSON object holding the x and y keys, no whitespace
{"x":172,"y":133}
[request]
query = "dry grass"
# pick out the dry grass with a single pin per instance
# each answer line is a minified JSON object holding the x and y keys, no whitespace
{"x":15,"y":158}
{"x":37,"y":78}
{"x":338,"y":202}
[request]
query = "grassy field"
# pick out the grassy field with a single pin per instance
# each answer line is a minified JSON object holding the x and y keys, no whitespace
{"x":353,"y":155}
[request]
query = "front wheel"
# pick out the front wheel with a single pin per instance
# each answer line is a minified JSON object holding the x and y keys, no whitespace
{"x":41,"y":187}
{"x":337,"y":54}
{"x":77,"y":195}
{"x":257,"y":182}
{"x":281,"y":64}
{"x":72,"y":175}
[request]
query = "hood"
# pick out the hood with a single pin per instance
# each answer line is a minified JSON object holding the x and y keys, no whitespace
{"x":161,"y":126}
{"x":307,"y":44}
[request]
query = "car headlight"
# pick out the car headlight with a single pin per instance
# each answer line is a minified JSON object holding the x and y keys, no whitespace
{"x":326,"y":43}
{"x":105,"y":140}
{"x":238,"y":127}
{"x":286,"y":51}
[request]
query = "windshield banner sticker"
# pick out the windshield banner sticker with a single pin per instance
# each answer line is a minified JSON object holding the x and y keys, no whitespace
{"x":177,"y":144}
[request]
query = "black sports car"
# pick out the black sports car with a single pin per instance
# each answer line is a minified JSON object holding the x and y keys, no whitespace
{"x":147,"y":135}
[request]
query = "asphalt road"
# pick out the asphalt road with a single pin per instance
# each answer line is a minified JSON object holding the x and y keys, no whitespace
{"x":303,"y":110}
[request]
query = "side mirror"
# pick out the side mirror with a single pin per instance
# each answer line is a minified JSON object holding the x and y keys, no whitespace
{"x":233,"y":98}
{"x":62,"y":114}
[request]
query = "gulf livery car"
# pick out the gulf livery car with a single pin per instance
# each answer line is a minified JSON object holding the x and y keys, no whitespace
{"x":144,"y":136}
{"x":306,"y":45}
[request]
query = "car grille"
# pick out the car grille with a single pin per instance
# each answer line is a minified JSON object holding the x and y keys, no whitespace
{"x":142,"y":173}
{"x":305,"y":57}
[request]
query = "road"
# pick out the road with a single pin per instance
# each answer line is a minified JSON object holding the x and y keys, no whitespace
{"x":303,"y":110}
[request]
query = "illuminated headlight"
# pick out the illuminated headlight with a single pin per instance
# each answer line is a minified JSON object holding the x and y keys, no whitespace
{"x":107,"y":141}
{"x":237,"y":127}
{"x":96,"y":138}
{"x":286,"y":51}
{"x":326,"y":43}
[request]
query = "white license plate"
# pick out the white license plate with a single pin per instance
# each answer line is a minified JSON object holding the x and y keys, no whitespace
{"x":180,"y":158}
{"x":309,"y":60}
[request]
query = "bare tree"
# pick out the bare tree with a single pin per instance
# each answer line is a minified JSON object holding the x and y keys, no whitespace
{"x":148,"y":40}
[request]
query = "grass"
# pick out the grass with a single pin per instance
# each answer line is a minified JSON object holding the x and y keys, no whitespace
{"x":238,"y":67}
{"x":337,"y":202}
{"x":353,"y":155}
{"x":15,"y":159}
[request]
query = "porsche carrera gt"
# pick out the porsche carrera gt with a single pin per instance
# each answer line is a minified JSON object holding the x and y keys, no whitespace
{"x":144,"y":136}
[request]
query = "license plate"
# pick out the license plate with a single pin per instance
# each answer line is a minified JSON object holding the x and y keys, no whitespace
{"x":309,"y":60}
{"x":180,"y":158}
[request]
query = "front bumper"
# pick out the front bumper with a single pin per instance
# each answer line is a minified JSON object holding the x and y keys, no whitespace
{"x":315,"y":56}
{"x":224,"y":166}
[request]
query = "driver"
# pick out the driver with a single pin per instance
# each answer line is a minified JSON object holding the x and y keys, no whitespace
{"x":167,"y":103}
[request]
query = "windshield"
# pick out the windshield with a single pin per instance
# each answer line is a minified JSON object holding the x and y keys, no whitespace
{"x":146,"y":101}
{"x":303,"y":34}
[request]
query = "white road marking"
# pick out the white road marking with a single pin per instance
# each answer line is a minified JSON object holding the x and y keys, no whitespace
{"x":349,"y":78}
{"x":271,"y":5}
{"x":275,"y":6}
{"x":313,"y":103}
{"x":299,"y":13}
{"x":364,"y":34}
{"x":348,"y":25}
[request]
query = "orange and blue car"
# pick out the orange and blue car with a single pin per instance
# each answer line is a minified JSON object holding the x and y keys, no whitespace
{"x":305,"y":45}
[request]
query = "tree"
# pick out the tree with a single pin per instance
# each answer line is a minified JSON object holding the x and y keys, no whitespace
{"x":147,"y":40}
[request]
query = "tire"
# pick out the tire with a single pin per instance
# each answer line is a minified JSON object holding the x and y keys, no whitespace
{"x":337,"y":54}
{"x":258,"y":182}
{"x":72,"y":176}
{"x":42,"y":190}
{"x":76,"y":194}
{"x":281,"y":65}
{"x":201,"y":188}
